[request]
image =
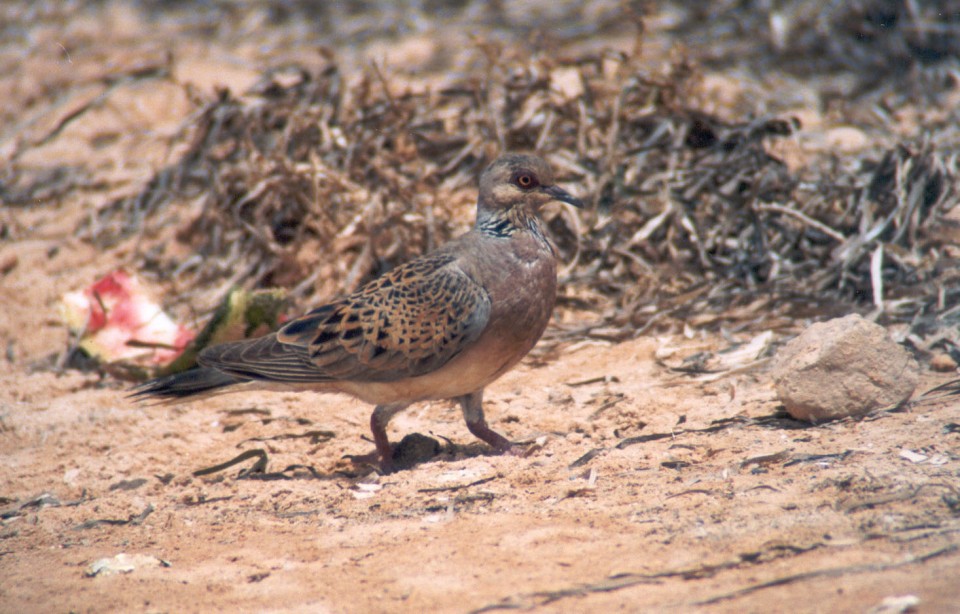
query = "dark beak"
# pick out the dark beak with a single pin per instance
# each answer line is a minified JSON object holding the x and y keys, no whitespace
{"x":558,"y":193}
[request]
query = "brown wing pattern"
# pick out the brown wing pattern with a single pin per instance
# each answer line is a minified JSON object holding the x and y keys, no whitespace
{"x":406,"y":323}
{"x":265,"y":358}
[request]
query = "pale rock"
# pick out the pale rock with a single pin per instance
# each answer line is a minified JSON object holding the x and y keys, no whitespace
{"x":943,"y":363}
{"x":846,"y":139}
{"x":844,"y":367}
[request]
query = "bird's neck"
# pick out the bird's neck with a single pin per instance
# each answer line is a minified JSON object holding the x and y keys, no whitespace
{"x":512,"y":222}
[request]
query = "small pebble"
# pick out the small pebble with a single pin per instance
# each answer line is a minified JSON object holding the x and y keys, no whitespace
{"x":943,"y":363}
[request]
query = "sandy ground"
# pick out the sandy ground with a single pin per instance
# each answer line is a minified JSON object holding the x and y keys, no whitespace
{"x":648,"y":489}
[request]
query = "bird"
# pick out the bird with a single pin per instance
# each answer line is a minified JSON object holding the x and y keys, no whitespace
{"x":441,"y":326}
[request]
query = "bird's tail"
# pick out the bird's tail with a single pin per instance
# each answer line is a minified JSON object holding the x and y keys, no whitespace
{"x":199,"y":381}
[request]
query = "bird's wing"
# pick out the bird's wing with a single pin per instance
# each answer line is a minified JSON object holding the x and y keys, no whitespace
{"x":265,"y":358}
{"x":409,"y":322}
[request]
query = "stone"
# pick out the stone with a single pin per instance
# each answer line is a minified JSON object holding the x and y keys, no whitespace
{"x":844,"y":367}
{"x":943,"y":363}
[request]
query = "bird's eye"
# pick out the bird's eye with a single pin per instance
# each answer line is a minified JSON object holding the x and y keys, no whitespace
{"x":525,"y":180}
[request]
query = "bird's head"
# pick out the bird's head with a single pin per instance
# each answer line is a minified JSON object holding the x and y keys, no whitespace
{"x":520,"y":181}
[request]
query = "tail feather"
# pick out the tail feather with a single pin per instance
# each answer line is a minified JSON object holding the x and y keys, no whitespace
{"x":189,"y":383}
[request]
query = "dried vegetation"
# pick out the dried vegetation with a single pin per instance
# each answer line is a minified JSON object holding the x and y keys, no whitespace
{"x":320,"y":180}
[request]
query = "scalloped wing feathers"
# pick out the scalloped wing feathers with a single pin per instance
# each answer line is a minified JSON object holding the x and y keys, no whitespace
{"x":407,"y":323}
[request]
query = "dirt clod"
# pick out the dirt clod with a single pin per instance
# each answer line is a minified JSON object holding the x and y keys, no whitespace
{"x":943,"y":362}
{"x":844,"y":367}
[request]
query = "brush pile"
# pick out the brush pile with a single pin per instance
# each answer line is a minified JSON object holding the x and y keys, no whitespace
{"x":320,"y":180}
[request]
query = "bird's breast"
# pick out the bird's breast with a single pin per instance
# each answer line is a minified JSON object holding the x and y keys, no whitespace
{"x":522,"y":285}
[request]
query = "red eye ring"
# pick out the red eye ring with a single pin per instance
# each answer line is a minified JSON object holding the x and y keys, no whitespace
{"x":525,"y":180}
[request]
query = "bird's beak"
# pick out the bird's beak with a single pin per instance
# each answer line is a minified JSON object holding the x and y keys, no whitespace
{"x":558,"y":193}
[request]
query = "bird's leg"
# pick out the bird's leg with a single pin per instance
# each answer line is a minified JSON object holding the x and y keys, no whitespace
{"x":472,"y":405}
{"x":379,"y":420}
